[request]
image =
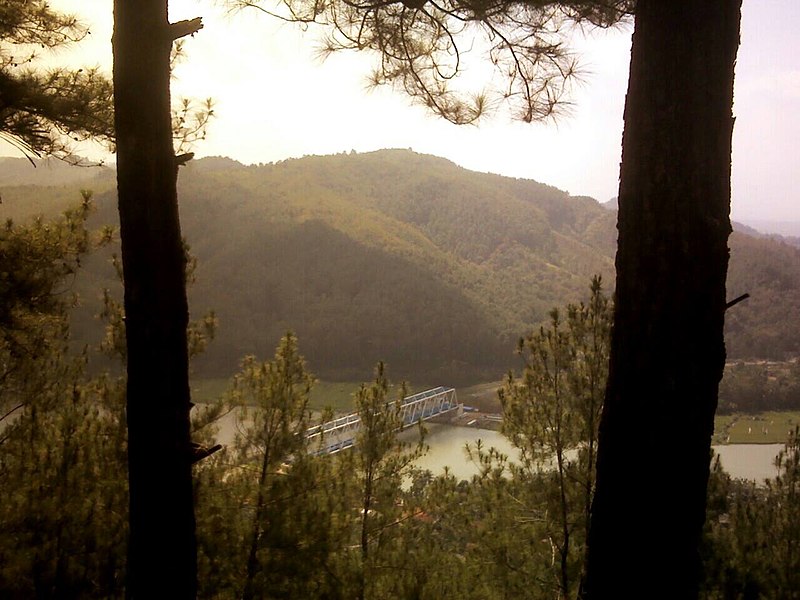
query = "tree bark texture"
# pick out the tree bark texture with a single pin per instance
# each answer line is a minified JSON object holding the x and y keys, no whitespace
{"x":667,"y":352}
{"x":162,"y":550}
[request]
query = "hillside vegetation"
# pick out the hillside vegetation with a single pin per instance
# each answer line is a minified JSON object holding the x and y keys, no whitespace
{"x":399,"y":256}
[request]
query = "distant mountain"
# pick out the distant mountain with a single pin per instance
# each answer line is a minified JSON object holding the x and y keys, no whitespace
{"x":388,"y":255}
{"x":768,"y":324}
{"x":612,"y":204}
{"x":776,"y":228}
{"x":46,"y":186}
{"x":790,"y":229}
{"x":49,"y":172}
{"x":409,"y":258}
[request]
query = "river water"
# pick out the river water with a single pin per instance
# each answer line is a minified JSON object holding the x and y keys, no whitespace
{"x":447,"y":442}
{"x":744,"y":461}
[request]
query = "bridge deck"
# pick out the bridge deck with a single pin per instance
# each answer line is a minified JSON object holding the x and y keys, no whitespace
{"x":340,"y":433}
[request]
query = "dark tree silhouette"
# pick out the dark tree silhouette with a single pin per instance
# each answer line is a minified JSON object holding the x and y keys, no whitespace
{"x":162,"y":550}
{"x":42,"y":110}
{"x":667,"y":352}
{"x":422,"y":44}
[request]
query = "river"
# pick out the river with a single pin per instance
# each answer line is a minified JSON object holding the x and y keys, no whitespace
{"x":745,"y":461}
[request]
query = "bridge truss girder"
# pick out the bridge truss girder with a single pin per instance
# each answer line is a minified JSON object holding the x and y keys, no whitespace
{"x":339,"y":434}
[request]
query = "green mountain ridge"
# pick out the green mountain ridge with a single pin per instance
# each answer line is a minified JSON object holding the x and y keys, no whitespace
{"x":460,"y":234}
{"x":407,"y":258}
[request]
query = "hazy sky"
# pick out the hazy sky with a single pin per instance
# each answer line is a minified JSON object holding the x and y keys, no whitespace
{"x":275,"y":100}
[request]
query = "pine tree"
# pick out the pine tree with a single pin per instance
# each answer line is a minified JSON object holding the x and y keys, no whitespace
{"x":552,"y":415}
{"x":380,"y":462}
{"x":273,"y":397}
{"x":42,"y":111}
{"x":667,"y":348}
{"x":422,"y":48}
{"x":273,"y":516}
{"x":62,"y":463}
{"x":163,"y":552}
{"x":751,"y":540}
{"x":37,"y":261}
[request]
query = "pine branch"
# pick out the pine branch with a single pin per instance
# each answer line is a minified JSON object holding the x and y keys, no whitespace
{"x":184,"y":28}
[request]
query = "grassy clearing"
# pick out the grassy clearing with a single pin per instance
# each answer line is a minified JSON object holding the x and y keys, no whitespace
{"x":762,"y":428}
{"x":338,"y":395}
{"x":208,"y":390}
{"x":482,"y":396}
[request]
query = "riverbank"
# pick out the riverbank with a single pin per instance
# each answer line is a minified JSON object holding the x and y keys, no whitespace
{"x":485,"y":412}
{"x":771,"y":427}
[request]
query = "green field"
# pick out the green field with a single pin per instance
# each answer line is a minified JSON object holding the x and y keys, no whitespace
{"x":208,"y":390}
{"x":482,"y":396}
{"x":334,"y":394}
{"x":338,"y":396}
{"x":763,"y":428}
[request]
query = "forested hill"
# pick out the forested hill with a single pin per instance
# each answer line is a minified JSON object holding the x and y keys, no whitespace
{"x":409,"y":258}
{"x":389,"y":255}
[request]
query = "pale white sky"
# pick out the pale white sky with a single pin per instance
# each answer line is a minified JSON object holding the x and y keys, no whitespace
{"x":275,"y":100}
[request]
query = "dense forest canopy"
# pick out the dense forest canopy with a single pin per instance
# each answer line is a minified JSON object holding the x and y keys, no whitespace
{"x":396,"y":255}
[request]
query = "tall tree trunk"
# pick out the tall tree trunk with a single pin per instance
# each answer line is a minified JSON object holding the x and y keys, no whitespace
{"x":162,"y":547}
{"x":667,"y":352}
{"x":252,"y":559}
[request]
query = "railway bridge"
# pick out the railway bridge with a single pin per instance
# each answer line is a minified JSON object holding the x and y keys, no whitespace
{"x":341,"y":433}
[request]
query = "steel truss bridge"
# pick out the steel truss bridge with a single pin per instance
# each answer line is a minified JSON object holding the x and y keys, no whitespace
{"x":339,"y":434}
